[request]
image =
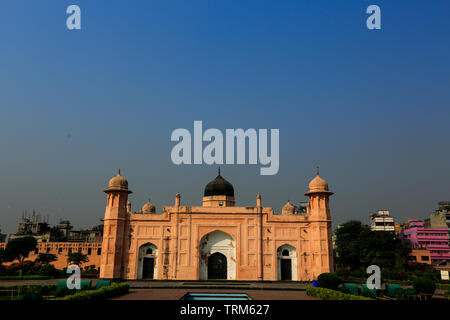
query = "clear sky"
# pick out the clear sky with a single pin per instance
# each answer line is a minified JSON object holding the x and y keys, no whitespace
{"x":370,"y":107}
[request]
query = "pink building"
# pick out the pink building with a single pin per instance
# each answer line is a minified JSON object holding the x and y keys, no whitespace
{"x":435,"y":240}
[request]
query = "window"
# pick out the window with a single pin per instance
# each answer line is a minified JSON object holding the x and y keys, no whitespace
{"x":59,"y":250}
{"x":89,"y":251}
{"x":220,"y":203}
{"x":36,"y":251}
{"x":99,"y":251}
{"x":425,"y":258}
{"x":70,"y":250}
{"x":149,"y":251}
{"x":285,"y":253}
{"x":48,"y":250}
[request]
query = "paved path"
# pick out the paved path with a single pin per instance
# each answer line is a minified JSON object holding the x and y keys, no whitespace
{"x":176,"y":284}
{"x":176,"y":294}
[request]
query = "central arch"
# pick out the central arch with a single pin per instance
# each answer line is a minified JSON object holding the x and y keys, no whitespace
{"x":217,"y":256}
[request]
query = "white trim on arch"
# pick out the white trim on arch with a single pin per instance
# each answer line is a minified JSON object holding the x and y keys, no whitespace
{"x":292,"y":254}
{"x":147,"y":250}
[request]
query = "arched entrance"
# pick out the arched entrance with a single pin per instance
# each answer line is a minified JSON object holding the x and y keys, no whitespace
{"x":287,"y":262}
{"x":147,"y":263}
{"x":217,"y":253}
{"x":217,"y":266}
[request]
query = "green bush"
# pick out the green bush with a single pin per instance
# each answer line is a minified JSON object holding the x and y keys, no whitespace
{"x":424,"y":285}
{"x":114,"y":290}
{"x":329,"y":281}
{"x":328,"y":294}
{"x":62,"y":292}
{"x":34,"y":292}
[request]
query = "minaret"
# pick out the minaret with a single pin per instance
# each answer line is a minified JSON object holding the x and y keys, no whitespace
{"x":320,"y":226}
{"x":114,"y":227}
{"x":258,"y":200}
{"x":177,"y":199}
{"x":319,"y":195}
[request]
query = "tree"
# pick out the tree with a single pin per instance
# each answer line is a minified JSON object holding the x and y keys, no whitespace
{"x":3,"y":256}
{"x":19,"y":248}
{"x":77,"y":258}
{"x":46,"y":258}
{"x":359,"y":247}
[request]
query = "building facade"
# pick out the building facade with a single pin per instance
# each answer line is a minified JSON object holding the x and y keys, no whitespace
{"x":435,"y":240}
{"x":217,"y":240}
{"x":382,"y":221}
{"x":62,"y":250}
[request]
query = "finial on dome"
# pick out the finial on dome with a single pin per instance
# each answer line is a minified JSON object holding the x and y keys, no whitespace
{"x":219,"y":170}
{"x":119,"y":170}
{"x":317,"y":170}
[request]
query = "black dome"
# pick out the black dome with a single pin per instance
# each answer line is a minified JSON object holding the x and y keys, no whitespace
{"x":219,"y":187}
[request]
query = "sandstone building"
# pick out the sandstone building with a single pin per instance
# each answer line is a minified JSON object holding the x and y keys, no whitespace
{"x":217,"y":240}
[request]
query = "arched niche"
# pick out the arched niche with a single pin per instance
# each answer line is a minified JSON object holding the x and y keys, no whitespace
{"x":148,"y":261}
{"x":287,"y":262}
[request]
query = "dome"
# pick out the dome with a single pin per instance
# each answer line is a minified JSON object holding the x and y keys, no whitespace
{"x":318,"y":185}
{"x":118,"y":183}
{"x":148,"y":208}
{"x":288,"y":208}
{"x":219,"y":187}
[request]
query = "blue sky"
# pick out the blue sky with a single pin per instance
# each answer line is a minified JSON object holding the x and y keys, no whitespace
{"x":371,"y":108}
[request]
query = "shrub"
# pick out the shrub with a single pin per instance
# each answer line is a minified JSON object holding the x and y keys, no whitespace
{"x":329,"y":281}
{"x":114,"y":290}
{"x":34,"y":292}
{"x":328,"y":294}
{"x":424,"y":285}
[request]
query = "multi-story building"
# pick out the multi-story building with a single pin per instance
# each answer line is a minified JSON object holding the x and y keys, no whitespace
{"x":62,"y":232}
{"x":400,"y":226}
{"x":382,"y":221}
{"x":440,"y":218}
{"x":435,"y":240}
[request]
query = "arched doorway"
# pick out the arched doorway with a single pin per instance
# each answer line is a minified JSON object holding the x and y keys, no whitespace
{"x":217,"y":266}
{"x":147,"y":263}
{"x":217,"y":254}
{"x":287,"y":262}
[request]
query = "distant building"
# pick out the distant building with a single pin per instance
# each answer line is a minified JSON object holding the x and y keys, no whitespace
{"x":435,"y":240}
{"x":400,"y":226}
{"x":33,"y":225}
{"x":63,"y":232}
{"x":382,"y":221}
{"x":419,"y":256}
{"x":92,"y":250}
{"x":440,"y":218}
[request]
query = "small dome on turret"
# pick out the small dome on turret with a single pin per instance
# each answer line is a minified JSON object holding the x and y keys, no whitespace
{"x":288,"y":208}
{"x":318,"y":185}
{"x":148,"y":208}
{"x":118,"y":183}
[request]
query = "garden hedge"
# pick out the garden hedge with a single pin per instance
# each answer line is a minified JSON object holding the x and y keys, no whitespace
{"x":328,"y":294}
{"x":114,"y":290}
